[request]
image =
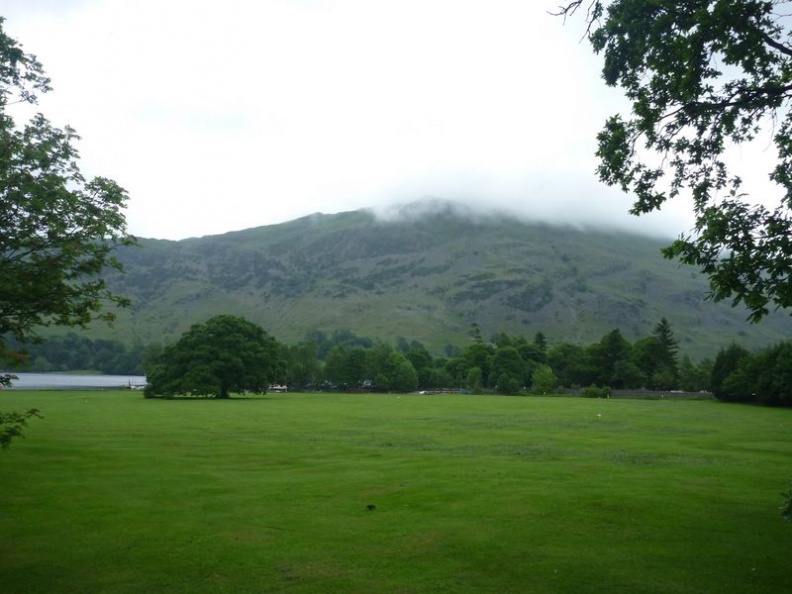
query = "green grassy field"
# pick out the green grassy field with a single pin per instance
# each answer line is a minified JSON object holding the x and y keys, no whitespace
{"x":112,"y":493}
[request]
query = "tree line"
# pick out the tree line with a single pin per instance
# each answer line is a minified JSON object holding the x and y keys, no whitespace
{"x":509,"y":364}
{"x":79,"y":353}
{"x":504,"y":364}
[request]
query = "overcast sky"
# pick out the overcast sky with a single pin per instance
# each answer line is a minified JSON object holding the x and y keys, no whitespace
{"x":219,"y":116}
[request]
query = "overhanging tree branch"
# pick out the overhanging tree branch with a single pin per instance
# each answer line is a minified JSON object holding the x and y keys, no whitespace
{"x":668,"y":56}
{"x":57,"y":230}
{"x":776,"y":45}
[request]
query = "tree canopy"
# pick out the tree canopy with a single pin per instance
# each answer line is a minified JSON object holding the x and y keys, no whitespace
{"x":703,"y":76}
{"x":223,"y":355}
{"x":57,"y":229}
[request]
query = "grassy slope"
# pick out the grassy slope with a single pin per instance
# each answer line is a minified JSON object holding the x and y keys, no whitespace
{"x":428,"y":279}
{"x":112,"y":493}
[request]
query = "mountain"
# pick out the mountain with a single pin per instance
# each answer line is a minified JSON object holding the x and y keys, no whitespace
{"x":426,"y":275}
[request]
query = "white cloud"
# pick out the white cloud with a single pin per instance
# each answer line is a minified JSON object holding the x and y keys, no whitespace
{"x":224,"y":115}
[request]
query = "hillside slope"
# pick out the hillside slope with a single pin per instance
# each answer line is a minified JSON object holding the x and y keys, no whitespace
{"x":426,"y":277}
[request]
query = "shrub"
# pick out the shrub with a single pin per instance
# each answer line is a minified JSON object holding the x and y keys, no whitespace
{"x":508,"y":384}
{"x":544,"y":381}
{"x":596,"y":392}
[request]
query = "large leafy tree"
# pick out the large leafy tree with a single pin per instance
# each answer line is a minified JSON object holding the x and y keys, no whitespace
{"x":346,"y":366}
{"x":397,"y":374}
{"x":669,"y":346}
{"x":605,"y":355}
{"x":508,"y":370}
{"x":703,"y":76}
{"x":423,"y":363}
{"x":302,"y":367}
{"x":57,"y":229}
{"x":728,"y":361}
{"x":223,"y":355}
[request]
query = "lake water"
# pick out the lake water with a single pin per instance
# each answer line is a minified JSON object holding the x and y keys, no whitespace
{"x":65,"y":381}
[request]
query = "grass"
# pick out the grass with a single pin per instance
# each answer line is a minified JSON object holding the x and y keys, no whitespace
{"x":112,"y":493}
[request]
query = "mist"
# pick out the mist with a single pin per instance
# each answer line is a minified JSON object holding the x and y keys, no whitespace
{"x":223,"y":116}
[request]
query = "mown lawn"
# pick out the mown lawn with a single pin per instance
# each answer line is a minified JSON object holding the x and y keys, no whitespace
{"x":112,"y":493}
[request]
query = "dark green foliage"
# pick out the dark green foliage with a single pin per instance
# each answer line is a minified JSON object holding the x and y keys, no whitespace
{"x":651,"y":357}
{"x":774,"y":375}
{"x":379,"y":367}
{"x":58,"y":230}
{"x":670,"y":345}
{"x":606,"y":355}
{"x":508,"y":383}
{"x":474,"y":380}
{"x":627,"y":374}
{"x":595,"y":392}
{"x":695,"y":377}
{"x":614,"y":362}
{"x":345,"y":367}
{"x":508,"y":364}
{"x":439,"y":377}
{"x":568,"y":361}
{"x":302,"y":367}
{"x":377,"y":358}
{"x":764,"y":377}
{"x":663,"y":379}
{"x":386,"y":369}
{"x":6,"y":380}
{"x":397,"y":374}
{"x":667,"y":353}
{"x":530,"y":353}
{"x":650,"y":362}
{"x":475,"y":333}
{"x":726,"y":363}
{"x":540,"y":340}
{"x":452,"y":350}
{"x":509,"y":369}
{"x":477,"y":355}
{"x":423,"y":364}
{"x":224,"y":355}
{"x":701,"y":76}
{"x":543,"y":380}
{"x":72,"y":353}
{"x":325,"y":343}
{"x":12,"y":423}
